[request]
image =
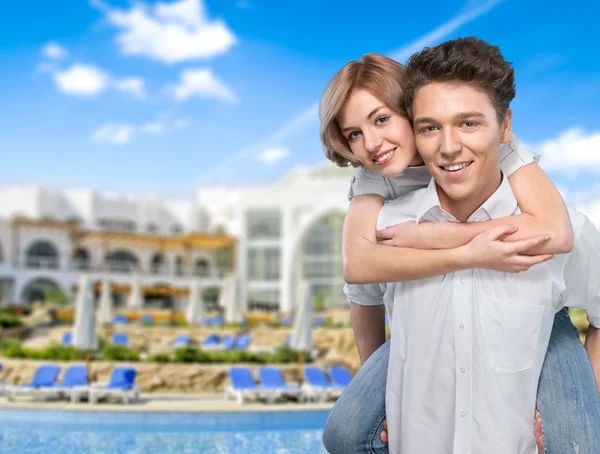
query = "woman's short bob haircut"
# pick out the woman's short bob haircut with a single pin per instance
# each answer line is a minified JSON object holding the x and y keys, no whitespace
{"x":383,"y":77}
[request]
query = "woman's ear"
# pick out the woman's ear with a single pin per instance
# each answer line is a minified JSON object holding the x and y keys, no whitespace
{"x":506,"y":127}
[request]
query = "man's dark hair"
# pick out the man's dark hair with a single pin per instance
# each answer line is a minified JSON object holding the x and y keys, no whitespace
{"x":468,"y":60}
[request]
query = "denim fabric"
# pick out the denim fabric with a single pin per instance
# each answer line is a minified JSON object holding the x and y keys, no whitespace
{"x":567,"y":400}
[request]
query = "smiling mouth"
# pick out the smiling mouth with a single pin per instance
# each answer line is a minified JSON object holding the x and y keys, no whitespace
{"x":456,"y":167}
{"x":385,"y":157}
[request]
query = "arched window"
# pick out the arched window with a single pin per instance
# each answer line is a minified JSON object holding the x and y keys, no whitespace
{"x":156,"y":263}
{"x":81,"y":259}
{"x":42,"y":254}
{"x":44,"y":290}
{"x":202,"y":267}
{"x":179,"y":268}
{"x":122,"y":260}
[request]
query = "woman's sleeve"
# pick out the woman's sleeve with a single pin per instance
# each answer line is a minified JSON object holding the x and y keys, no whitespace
{"x":514,"y":155}
{"x":368,"y":182}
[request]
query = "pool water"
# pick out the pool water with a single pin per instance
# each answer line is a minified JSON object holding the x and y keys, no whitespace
{"x":63,"y":432}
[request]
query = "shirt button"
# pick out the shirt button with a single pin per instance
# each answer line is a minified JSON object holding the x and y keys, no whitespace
{"x":462,"y":281}
{"x":462,"y":414}
{"x":462,"y":327}
{"x":462,"y":370}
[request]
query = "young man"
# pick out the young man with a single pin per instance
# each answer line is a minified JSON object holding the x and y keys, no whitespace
{"x":467,"y":348}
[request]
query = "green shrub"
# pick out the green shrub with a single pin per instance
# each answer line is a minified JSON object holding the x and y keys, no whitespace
{"x":9,"y":320}
{"x":111,"y":352}
{"x":14,"y":351}
{"x":159,"y":358}
{"x":185,"y":355}
{"x":9,"y":342}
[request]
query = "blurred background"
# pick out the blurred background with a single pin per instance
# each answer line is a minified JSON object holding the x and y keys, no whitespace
{"x":179,"y":140}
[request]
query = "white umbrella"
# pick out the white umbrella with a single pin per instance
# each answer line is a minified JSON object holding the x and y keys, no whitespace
{"x":84,"y":331}
{"x":230,"y":300}
{"x":135,"y":300}
{"x":105,"y":311}
{"x":301,"y":337}
{"x":195,"y":307}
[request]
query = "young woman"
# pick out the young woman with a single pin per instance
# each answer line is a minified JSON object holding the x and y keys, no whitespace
{"x":363,"y":123}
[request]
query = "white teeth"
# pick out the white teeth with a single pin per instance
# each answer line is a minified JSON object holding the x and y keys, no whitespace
{"x":456,"y":167}
{"x":385,"y":156}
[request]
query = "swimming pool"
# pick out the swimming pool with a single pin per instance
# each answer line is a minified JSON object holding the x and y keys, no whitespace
{"x":58,"y":432}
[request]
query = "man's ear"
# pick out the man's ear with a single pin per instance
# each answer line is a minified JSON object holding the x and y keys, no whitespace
{"x":506,"y":127}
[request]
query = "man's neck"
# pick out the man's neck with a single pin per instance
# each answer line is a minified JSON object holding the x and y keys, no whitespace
{"x":463,"y":209}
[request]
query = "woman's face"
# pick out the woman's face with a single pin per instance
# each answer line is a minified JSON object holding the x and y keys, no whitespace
{"x":379,"y":137}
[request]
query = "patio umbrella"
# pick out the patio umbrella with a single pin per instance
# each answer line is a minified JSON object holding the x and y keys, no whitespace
{"x":228,"y":298}
{"x":195,"y":307}
{"x":105,"y":310}
{"x":301,"y":337}
{"x":84,"y":330}
{"x":135,"y":300}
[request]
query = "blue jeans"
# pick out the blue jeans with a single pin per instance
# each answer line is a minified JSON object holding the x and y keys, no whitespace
{"x":567,"y":400}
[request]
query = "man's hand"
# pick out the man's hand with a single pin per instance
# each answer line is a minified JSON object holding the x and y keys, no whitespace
{"x":487,"y":250}
{"x":383,"y":436}
{"x":539,"y":439}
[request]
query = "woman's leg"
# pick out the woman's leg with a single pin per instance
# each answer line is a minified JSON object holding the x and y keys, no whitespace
{"x":567,"y":394}
{"x":356,"y":420}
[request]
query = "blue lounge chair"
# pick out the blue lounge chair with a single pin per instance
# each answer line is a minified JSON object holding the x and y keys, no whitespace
{"x":120,"y":385}
{"x":228,"y":343}
{"x":243,"y":385}
{"x":318,"y":321}
{"x":316,"y":385}
{"x":218,"y":320}
{"x":243,"y":342}
{"x":272,"y":378}
{"x":286,"y":321}
{"x":45,"y":375}
{"x":147,"y":319}
{"x":182,"y":340}
{"x":120,"y":320}
{"x":120,"y":339}
{"x":74,"y":376}
{"x":66,"y":339}
{"x":206,"y":321}
{"x":340,"y":377}
{"x":211,"y":342}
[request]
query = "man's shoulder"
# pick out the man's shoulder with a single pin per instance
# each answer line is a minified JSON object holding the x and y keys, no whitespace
{"x":402,"y":209}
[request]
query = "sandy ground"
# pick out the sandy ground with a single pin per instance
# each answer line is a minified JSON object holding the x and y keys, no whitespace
{"x":160,"y":403}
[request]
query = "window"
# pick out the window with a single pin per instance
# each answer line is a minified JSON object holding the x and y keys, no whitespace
{"x":176,"y":229}
{"x":151,"y":228}
{"x":116,"y":225}
{"x":263,"y":264}
{"x":263,"y":300}
{"x":263,"y":224}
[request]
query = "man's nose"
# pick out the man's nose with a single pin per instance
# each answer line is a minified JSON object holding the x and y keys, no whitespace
{"x":450,"y":145}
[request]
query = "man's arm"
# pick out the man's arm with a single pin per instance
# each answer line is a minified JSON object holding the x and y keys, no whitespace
{"x":368,"y":324}
{"x":592,"y":346}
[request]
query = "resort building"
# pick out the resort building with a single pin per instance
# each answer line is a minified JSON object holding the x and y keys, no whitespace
{"x":271,"y":237}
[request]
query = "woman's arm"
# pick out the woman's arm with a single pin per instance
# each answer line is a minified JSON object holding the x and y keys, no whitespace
{"x":543,"y":213}
{"x":366,"y":262}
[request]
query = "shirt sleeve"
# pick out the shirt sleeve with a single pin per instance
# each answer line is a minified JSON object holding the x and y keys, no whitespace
{"x":514,"y":155}
{"x":365,"y":294}
{"x":582,"y":273}
{"x":368,"y":182}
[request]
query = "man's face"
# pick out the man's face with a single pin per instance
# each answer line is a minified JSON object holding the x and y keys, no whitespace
{"x":458,"y":135}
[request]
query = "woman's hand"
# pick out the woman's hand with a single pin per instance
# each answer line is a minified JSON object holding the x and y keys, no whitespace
{"x":487,"y":250}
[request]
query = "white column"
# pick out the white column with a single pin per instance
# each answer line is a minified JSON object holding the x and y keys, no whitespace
{"x":242,"y":265}
{"x":286,"y":262}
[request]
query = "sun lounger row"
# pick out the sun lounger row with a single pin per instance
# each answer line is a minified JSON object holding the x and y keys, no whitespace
{"x":74,"y":385}
{"x":272,"y":386}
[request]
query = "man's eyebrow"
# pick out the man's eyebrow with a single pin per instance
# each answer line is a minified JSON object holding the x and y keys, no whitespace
{"x":459,"y":116}
{"x":373,"y":112}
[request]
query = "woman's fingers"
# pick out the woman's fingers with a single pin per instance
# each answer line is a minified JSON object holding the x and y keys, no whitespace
{"x":518,"y":247}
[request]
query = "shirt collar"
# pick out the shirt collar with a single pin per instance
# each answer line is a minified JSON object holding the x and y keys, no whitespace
{"x":500,"y":204}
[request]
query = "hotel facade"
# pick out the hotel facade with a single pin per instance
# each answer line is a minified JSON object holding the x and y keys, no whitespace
{"x":271,"y":237}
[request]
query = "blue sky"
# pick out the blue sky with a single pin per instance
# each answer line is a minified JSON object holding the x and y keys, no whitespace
{"x":164,"y":97}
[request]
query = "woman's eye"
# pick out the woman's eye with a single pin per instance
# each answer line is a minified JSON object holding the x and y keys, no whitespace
{"x":382,"y":120}
{"x":353,"y":135}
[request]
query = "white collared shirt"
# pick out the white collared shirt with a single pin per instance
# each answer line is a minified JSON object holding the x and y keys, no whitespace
{"x":467,"y":348}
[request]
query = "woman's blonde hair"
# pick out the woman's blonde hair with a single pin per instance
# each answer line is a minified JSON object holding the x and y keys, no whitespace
{"x":383,"y":77}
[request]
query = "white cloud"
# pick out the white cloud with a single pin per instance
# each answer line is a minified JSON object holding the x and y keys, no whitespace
{"x":169,"y":32}
{"x":132,"y":85}
{"x":113,"y":134}
{"x":571,"y":151}
{"x":272,"y":155}
{"x":123,"y":134}
{"x":82,"y":80}
{"x":203,"y":84}
{"x":54,"y":51}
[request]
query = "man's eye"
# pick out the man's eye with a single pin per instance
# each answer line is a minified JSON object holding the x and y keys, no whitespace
{"x":353,"y":135}
{"x":469,"y":124}
{"x":429,"y":129}
{"x":382,"y":120}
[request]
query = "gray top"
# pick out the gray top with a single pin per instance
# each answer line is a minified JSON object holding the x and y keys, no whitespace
{"x":513,"y":155}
